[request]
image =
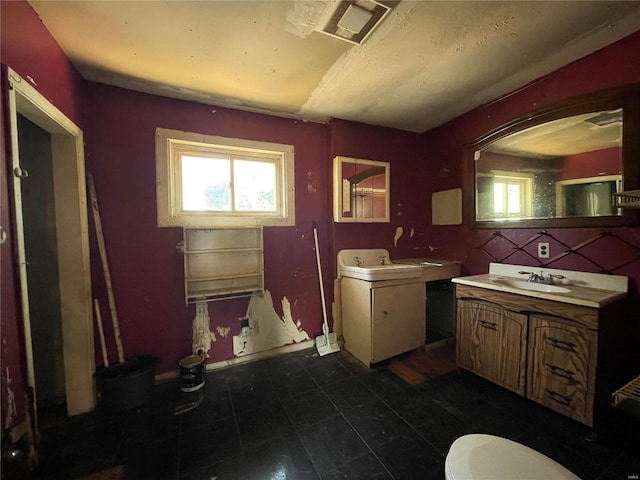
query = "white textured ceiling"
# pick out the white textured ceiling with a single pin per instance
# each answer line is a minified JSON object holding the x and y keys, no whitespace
{"x":428,"y":62}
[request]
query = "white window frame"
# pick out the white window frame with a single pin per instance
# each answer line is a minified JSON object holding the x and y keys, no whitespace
{"x":171,"y":144}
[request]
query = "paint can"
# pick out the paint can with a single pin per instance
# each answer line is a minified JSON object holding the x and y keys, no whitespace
{"x":191,"y":373}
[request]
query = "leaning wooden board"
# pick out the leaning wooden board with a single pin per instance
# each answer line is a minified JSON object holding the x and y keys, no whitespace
{"x":105,"y":266}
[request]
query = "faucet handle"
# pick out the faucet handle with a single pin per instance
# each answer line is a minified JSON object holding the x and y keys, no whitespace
{"x":559,"y":277}
{"x":522,"y":272}
{"x":383,"y":259}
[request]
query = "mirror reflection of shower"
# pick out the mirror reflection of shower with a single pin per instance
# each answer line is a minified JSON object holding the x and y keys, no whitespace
{"x":361,"y":190}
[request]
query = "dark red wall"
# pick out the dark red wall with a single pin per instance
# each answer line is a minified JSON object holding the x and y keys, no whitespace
{"x":592,"y":164}
{"x":403,"y":150}
{"x":146,"y":269}
{"x":603,"y":69}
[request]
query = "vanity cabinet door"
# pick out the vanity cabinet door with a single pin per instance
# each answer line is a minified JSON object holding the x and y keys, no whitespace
{"x":562,"y":366}
{"x":398,"y":323}
{"x":379,"y":322}
{"x":491,"y":342}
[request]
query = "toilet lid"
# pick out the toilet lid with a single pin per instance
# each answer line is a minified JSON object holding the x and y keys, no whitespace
{"x":487,"y":457}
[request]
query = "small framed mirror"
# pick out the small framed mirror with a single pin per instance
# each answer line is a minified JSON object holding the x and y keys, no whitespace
{"x":360,"y":190}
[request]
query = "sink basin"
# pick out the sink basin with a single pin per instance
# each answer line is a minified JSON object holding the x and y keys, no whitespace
{"x":373,"y":264}
{"x":524,"y":285}
{"x":372,"y":273}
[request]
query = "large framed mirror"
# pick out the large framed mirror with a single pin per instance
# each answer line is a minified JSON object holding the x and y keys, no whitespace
{"x":558,"y":166}
{"x":360,"y":190}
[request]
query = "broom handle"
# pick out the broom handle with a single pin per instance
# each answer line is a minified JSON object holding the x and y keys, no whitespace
{"x":324,"y":308}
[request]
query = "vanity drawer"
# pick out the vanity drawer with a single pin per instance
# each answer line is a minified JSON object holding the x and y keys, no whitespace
{"x":562,"y":351}
{"x":567,"y":398}
{"x":491,"y":342}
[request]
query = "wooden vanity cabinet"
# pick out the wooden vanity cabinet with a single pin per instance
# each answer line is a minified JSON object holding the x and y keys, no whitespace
{"x":492,"y":343}
{"x":569,"y":358}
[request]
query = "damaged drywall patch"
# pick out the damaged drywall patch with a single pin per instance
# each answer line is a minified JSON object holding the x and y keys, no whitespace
{"x":223,"y":331}
{"x":310,"y":187}
{"x":11,"y":402}
{"x":202,"y":336}
{"x":266,"y":329}
{"x":397,"y":236}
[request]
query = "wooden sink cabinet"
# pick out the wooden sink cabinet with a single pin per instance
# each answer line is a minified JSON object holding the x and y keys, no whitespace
{"x":566,"y":357}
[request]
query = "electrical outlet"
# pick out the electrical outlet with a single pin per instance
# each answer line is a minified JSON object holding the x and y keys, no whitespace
{"x":245,"y":330}
{"x":543,"y":249}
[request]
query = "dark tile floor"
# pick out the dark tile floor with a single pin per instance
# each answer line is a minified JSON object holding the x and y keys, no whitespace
{"x":300,"y":416}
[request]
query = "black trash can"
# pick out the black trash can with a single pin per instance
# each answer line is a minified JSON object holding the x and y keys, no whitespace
{"x":127,"y":385}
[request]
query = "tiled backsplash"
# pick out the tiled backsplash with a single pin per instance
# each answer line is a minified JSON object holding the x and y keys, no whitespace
{"x":605,"y":252}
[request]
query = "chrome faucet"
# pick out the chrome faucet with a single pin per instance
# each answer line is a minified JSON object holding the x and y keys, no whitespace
{"x":358,"y":262}
{"x":535,"y":278}
{"x":383,"y":260}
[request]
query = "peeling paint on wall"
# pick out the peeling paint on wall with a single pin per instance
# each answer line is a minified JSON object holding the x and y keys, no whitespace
{"x":266,"y":329}
{"x":310,"y":186}
{"x":11,"y":402}
{"x":202,"y":336}
{"x":223,"y":331}
{"x":399,"y":232}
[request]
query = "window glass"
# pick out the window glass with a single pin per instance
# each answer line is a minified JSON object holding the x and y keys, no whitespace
{"x":255,"y":186}
{"x":514,"y":199}
{"x":206,"y":184}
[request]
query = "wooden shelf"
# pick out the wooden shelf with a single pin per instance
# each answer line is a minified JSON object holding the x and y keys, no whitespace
{"x":628,"y":199}
{"x":221,"y":277}
{"x":223,"y":263}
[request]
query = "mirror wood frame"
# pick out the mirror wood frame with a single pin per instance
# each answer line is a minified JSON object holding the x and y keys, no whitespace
{"x":627,"y":98}
{"x":380,"y":168}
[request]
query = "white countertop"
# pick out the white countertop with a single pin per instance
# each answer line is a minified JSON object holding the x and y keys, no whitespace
{"x":587,"y":289}
{"x":433,"y":268}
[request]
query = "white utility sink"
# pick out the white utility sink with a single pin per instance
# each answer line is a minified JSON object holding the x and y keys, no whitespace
{"x":525,"y":285}
{"x":373,"y":265}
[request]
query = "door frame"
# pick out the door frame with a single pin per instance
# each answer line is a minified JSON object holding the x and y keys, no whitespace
{"x":72,"y":232}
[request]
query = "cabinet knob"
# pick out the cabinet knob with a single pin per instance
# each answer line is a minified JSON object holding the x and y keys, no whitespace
{"x":385,"y":312}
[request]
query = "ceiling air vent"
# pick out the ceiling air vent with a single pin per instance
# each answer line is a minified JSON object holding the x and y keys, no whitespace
{"x":349,"y":20}
{"x":352,"y":21}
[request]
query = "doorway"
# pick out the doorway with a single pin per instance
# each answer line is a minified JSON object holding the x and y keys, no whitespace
{"x":40,"y":241}
{"x":53,"y":249}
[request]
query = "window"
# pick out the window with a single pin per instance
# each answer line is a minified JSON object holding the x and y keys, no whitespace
{"x":206,"y":181}
{"x":512,"y":196}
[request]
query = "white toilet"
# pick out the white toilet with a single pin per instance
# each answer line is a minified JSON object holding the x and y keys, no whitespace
{"x":487,"y":457}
